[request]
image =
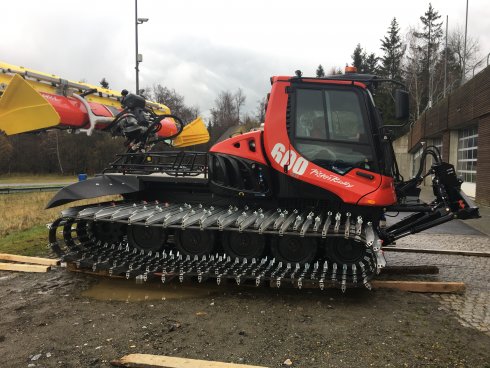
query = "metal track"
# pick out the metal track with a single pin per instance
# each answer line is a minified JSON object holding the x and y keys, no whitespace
{"x":73,"y":238}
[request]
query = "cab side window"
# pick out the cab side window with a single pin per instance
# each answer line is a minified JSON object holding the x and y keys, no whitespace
{"x":310,"y":116}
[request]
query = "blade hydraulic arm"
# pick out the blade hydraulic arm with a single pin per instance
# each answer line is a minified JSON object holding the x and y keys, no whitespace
{"x":450,"y":203}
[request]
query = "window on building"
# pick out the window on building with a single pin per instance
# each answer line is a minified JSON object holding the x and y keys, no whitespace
{"x":467,"y":154}
{"x":416,"y":161}
{"x":437,"y":142}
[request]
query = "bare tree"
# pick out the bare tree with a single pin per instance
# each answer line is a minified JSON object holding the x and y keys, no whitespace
{"x":260,"y":110}
{"x":455,"y":44}
{"x":239,"y":98}
{"x":174,"y":101}
{"x":413,"y":69}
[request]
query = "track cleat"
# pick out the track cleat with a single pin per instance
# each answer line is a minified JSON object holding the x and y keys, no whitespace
{"x":306,"y":225}
{"x":268,"y":221}
{"x":287,"y":222}
{"x":326,"y":226}
{"x":228,"y":219}
{"x":280,"y":219}
{"x":248,"y":221}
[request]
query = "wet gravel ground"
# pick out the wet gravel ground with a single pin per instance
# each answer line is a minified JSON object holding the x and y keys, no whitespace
{"x":48,"y":321}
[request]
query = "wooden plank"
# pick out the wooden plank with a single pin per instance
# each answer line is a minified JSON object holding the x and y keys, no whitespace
{"x":23,"y":267}
{"x":421,"y":286}
{"x":454,"y":252}
{"x":161,"y":361}
{"x":32,"y":260}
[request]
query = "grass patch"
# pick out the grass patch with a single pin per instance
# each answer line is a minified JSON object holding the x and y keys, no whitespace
{"x":23,"y":221}
{"x":33,"y":179}
{"x":31,"y":242}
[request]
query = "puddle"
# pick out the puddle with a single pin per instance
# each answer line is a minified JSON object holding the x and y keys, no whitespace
{"x":124,"y":290}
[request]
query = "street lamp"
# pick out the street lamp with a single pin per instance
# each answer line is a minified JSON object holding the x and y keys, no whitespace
{"x":139,"y":57}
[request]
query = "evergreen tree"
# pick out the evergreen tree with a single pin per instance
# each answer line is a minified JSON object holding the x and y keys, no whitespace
{"x":393,"y":52}
{"x":320,"y":73}
{"x":358,"y":58}
{"x":430,"y":37}
{"x":371,"y":64}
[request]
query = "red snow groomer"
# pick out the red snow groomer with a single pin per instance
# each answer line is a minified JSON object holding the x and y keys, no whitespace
{"x":298,"y":201}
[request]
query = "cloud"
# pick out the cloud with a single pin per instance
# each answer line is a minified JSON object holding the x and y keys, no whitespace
{"x":199,"y":69}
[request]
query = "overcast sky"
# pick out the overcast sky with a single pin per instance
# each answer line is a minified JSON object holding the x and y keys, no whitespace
{"x":203,"y":47}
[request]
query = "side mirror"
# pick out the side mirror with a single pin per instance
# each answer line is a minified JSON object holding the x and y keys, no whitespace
{"x":401,"y":104}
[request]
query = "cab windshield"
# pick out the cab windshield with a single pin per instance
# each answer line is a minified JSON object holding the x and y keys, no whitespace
{"x":331,"y":129}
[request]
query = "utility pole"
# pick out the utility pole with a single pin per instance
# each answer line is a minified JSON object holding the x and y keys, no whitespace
{"x":139,"y":57}
{"x":429,"y":86}
{"x":464,"y":50}
{"x":445,"y":58}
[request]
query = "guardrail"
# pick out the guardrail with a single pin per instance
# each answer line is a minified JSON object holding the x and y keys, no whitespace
{"x":30,"y":189}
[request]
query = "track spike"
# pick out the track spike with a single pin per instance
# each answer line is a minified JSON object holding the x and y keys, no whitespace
{"x":248,"y":221}
{"x":326,"y":226}
{"x":369,"y":235}
{"x":334,"y":272}
{"x":306,"y":225}
{"x":280,"y":220}
{"x":347,"y":225}
{"x":337,"y":223}
{"x":359,"y":226}
{"x":318,"y":222}
{"x":297,"y":221}
{"x":269,"y":220}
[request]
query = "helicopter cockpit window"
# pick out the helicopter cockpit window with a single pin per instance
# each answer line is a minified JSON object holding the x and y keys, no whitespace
{"x":331,"y":130}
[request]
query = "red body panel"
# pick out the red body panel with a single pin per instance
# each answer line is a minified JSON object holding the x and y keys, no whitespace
{"x":72,"y":112}
{"x":351,"y":188}
{"x":240,"y":146}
